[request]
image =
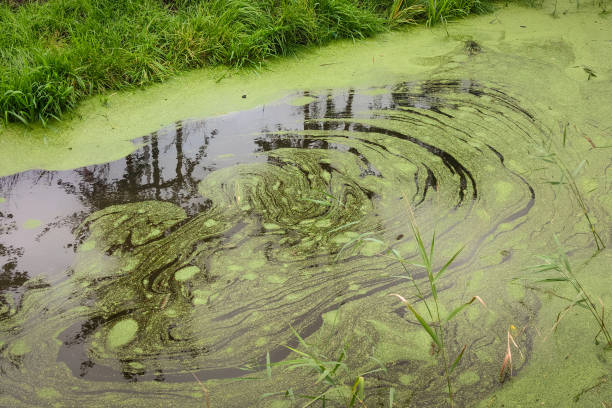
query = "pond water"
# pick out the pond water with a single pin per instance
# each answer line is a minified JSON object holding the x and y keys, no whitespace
{"x":218,"y":242}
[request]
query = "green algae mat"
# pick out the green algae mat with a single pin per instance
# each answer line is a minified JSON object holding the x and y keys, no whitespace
{"x":192,"y":265}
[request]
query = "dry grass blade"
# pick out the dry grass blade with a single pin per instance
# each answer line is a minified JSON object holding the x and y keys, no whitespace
{"x":206,"y":394}
{"x":463,"y":306}
{"x":507,"y":363}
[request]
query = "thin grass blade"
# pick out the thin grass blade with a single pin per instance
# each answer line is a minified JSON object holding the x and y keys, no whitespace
{"x":457,"y":360}
{"x":289,"y":393}
{"x":552,"y":280}
{"x":463,"y":306}
{"x":425,"y":326}
{"x":578,"y":168}
{"x":357,"y":390}
{"x":300,"y":339}
{"x":447,"y":264}
{"x":431,"y":249}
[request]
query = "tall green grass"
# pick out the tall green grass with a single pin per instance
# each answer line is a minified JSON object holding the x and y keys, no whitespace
{"x":440,"y":11}
{"x":55,"y":53}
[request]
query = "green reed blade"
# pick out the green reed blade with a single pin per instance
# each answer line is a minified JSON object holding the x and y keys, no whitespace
{"x":457,"y":360}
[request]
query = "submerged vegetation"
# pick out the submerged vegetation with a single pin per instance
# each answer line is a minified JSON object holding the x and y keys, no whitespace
{"x":57,"y":52}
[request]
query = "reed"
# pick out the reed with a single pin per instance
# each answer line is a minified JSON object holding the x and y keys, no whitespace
{"x":558,"y":269}
{"x":567,"y":177}
{"x":204,"y":389}
{"x":332,"y":377}
{"x":434,"y":324}
{"x":405,"y":12}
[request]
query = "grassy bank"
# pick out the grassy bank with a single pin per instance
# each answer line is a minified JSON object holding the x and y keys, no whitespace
{"x":54,"y":53}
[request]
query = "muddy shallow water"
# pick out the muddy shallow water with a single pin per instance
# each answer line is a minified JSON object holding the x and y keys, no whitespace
{"x":216,"y":240}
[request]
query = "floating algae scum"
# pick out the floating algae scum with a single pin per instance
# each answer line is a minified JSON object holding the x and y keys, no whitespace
{"x":198,"y":249}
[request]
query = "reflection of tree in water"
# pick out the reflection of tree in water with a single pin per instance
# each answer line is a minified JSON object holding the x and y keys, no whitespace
{"x":315,"y":120}
{"x":168,"y":167}
{"x":312,"y":114}
{"x":159,"y":170}
{"x":150,"y":173}
{"x":434,"y":95}
{"x":10,"y":275}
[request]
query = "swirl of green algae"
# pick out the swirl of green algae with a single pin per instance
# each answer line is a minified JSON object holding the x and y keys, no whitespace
{"x":158,"y":306}
{"x":286,"y":217}
{"x":159,"y":292}
{"x":298,"y":194}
